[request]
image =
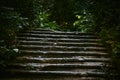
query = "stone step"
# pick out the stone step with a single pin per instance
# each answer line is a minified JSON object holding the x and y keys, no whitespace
{"x":52,"y":78}
{"x":62,"y":53}
{"x":58,"y":48}
{"x":58,"y":33}
{"x":47,"y":55}
{"x":55,"y":67}
{"x":58,"y":36}
{"x":25,"y":59}
{"x":34,"y":73}
{"x":60,"y":43}
{"x":57,"y":39}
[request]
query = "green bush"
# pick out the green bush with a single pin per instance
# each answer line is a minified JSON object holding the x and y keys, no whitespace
{"x":10,"y":24}
{"x":6,"y":56}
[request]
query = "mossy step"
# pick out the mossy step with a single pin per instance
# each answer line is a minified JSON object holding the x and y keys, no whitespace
{"x":57,"y":66}
{"x":57,"y":48}
{"x":57,"y":39}
{"x":34,"y":73}
{"x":25,"y":59}
{"x":58,"y":36}
{"x":60,"y":43}
{"x":62,"y":53}
{"x":58,"y":32}
{"x":51,"y":78}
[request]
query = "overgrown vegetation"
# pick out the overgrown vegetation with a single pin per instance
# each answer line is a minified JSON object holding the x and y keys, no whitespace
{"x":11,"y":22}
{"x":106,"y":18}
{"x":99,"y":16}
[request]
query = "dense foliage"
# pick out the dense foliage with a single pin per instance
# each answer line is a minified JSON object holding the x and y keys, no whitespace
{"x":12,"y":20}
{"x":106,"y":19}
{"x":99,"y":16}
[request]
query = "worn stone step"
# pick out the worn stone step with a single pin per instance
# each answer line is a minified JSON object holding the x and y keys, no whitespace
{"x":78,"y":59}
{"x":52,"y":78}
{"x":62,"y":53}
{"x":53,"y":68}
{"x":34,"y":73}
{"x":45,"y":53}
{"x":60,"y":43}
{"x":58,"y":36}
{"x":57,"y":39}
{"x":58,"y":32}
{"x":58,"y":48}
{"x":57,"y":66}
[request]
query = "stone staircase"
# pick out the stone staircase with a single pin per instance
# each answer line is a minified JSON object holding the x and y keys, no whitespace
{"x":55,"y":55}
